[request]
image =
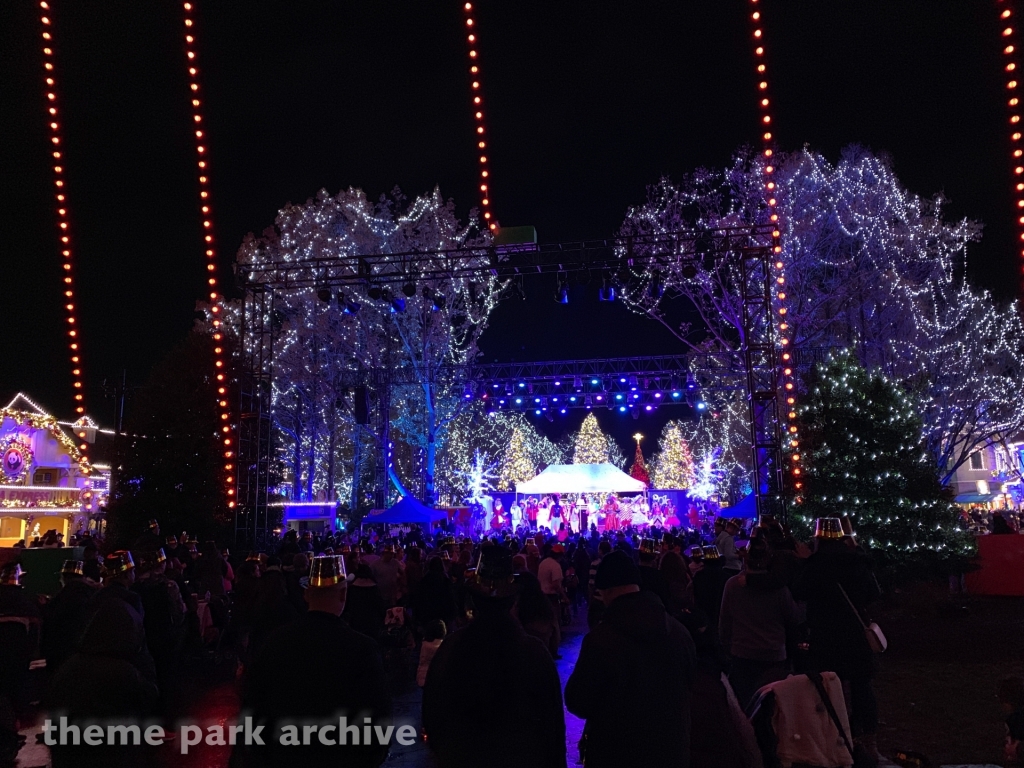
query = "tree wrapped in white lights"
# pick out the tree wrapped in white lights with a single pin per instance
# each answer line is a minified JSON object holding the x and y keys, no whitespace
{"x":415,"y":325}
{"x":869,"y":266}
{"x":475,"y":430}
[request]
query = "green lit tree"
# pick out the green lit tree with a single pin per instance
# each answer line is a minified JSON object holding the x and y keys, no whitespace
{"x":673,"y":466}
{"x":865,"y":457}
{"x":516,"y":466}
{"x":591,"y":445}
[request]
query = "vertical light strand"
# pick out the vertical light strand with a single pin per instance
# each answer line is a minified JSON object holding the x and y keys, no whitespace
{"x":476,"y":92}
{"x":1007,"y":36}
{"x":791,"y":439}
{"x":225,"y":437}
{"x":63,"y":219}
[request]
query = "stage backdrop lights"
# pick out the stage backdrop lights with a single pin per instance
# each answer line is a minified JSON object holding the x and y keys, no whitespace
{"x":54,"y":120}
{"x":215,"y":299}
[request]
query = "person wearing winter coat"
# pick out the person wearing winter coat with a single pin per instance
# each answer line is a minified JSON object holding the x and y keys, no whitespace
{"x":634,"y":676}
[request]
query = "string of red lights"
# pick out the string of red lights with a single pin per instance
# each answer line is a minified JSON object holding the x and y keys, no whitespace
{"x":1007,"y":36}
{"x":771,"y":200}
{"x":63,"y":217}
{"x":472,"y":38}
{"x":220,"y":371}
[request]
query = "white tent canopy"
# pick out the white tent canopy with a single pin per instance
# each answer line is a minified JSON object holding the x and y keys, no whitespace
{"x":582,"y":478}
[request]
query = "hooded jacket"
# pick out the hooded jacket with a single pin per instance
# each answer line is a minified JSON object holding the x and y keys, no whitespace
{"x":632,"y":683}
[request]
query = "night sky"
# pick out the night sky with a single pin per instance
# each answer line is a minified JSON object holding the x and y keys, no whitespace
{"x":589,"y":103}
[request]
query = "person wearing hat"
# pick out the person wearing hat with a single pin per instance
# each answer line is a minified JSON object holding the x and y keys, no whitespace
{"x":709,"y":583}
{"x":19,"y":633}
{"x":351,"y":685}
{"x":365,"y":607}
{"x":118,"y":577}
{"x":633,"y":679}
{"x":511,"y":715}
{"x":65,"y":616}
{"x":836,"y":635}
{"x":149,"y":539}
{"x":163,"y":619}
{"x":650,"y":577}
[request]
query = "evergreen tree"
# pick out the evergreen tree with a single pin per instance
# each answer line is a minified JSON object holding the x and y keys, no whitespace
{"x":865,"y":457}
{"x":639,"y":469}
{"x":516,"y":466}
{"x":591,"y":443}
{"x":673,"y":466}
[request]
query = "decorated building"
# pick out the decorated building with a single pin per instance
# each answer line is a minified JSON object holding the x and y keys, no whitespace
{"x":46,"y":483}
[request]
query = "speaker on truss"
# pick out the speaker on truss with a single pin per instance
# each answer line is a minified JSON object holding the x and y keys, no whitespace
{"x":361,"y":405}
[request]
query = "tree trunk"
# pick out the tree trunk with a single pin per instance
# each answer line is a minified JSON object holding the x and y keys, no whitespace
{"x":357,"y":465}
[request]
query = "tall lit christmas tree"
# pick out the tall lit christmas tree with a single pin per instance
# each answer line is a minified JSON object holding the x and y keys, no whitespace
{"x":673,"y":466}
{"x":591,"y":443}
{"x":639,"y":469}
{"x":516,"y":466}
{"x":865,"y":457}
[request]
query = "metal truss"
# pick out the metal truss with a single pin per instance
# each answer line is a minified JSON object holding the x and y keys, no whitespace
{"x":633,"y":383}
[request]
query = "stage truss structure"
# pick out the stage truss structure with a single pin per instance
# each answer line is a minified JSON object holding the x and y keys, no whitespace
{"x":752,"y":372}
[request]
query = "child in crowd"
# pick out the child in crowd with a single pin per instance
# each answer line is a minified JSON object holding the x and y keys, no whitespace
{"x":433,"y":634}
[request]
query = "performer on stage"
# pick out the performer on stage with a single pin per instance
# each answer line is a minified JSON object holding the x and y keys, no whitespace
{"x":531,"y":513}
{"x":583,"y":513}
{"x":516,"y":515}
{"x":498,"y":521}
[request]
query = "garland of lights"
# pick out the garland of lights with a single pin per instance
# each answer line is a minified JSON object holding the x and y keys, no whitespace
{"x":1008,"y":35}
{"x":63,"y":217}
{"x":478,"y":115}
{"x":771,"y":199}
{"x":215,"y":297}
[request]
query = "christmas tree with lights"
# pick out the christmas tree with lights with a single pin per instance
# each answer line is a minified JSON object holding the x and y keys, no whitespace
{"x":673,"y":466}
{"x":591,"y":443}
{"x":516,"y":466}
{"x":639,"y":469}
{"x":865,"y":457}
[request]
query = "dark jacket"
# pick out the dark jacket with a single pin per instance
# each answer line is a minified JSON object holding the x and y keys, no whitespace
{"x":758,"y":616}
{"x":436,"y":599}
{"x":315,"y":669}
{"x":493,"y":698}
{"x":364,"y":609}
{"x":708,"y":587}
{"x":632,"y":683}
{"x":102,"y":682}
{"x":64,"y":621}
{"x":836,"y":636}
{"x":115,"y":590}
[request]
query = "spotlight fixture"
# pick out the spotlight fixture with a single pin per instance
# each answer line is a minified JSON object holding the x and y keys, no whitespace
{"x":691,"y":382}
{"x":674,"y":383}
{"x":633,"y":383}
{"x":634,"y":412}
{"x":375,"y":292}
{"x":397,"y":302}
{"x":409,"y":289}
{"x":467,"y":390}
{"x":436,"y":300}
{"x":324,"y":294}
{"x":548,"y":416}
{"x":562,"y":290}
{"x":577,"y":384}
{"x":588,"y":401}
{"x":607,"y":291}
{"x":348,"y":306}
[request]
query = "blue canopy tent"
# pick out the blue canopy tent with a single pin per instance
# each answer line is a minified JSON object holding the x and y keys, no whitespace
{"x":408,"y":510}
{"x":746,"y":507}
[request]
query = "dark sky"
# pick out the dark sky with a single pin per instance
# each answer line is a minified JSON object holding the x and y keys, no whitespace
{"x":589,"y":102}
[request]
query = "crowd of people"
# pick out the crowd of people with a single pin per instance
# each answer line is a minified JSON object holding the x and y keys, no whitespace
{"x":687,"y":660}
